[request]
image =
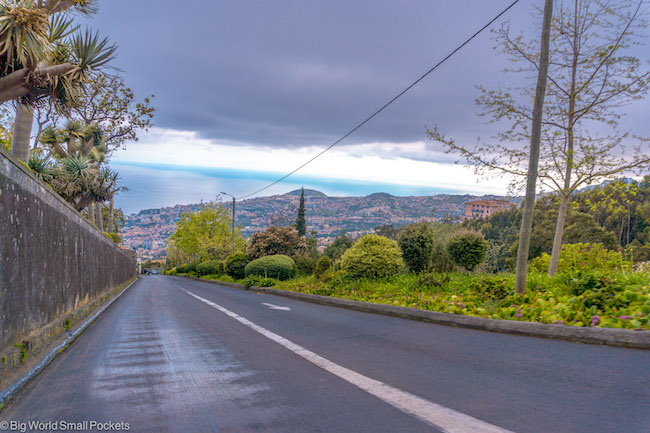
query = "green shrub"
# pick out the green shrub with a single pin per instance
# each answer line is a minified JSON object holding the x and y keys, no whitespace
{"x":209,"y":267}
{"x":582,"y":256}
{"x":467,"y":249}
{"x":190,"y":268}
{"x":322,"y":265}
{"x":492,"y":287}
{"x":337,"y":248}
{"x":277,"y":266}
{"x":372,"y":256}
{"x":277,"y":240}
{"x":235,"y":265}
{"x":259,"y":281}
{"x":305,"y":264}
{"x":181,"y":269}
{"x":114,"y":237}
{"x":433,"y":279}
{"x":417,"y":242}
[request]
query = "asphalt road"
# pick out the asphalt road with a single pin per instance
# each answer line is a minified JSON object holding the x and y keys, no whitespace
{"x":176,"y":355}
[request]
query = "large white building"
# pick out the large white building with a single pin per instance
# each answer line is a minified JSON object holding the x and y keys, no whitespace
{"x":484,"y":208}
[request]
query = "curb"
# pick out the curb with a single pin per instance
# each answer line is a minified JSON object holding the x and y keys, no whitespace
{"x":8,"y":393}
{"x":627,"y":338}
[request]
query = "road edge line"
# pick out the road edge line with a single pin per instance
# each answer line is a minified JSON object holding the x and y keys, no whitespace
{"x":433,"y":414}
{"x":8,"y":393}
{"x":614,"y":337}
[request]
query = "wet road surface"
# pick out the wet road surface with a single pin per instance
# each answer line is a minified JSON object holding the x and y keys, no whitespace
{"x":177,"y":355}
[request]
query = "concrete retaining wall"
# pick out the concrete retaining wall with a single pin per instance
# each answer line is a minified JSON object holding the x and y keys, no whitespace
{"x":52,"y":260}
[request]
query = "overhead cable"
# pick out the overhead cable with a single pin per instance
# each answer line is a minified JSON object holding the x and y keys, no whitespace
{"x":388,"y":103}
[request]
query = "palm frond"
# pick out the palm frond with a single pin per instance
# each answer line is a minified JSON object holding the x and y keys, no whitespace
{"x":91,"y":52}
{"x":24,"y":40}
{"x":60,"y":28}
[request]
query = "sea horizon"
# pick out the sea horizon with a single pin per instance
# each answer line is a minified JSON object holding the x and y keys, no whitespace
{"x":153,"y":186}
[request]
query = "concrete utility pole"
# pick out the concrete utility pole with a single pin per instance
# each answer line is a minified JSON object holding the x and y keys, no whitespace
{"x":533,"y":163}
{"x":233,"y":221}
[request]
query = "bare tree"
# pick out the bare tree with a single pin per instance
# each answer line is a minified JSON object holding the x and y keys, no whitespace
{"x":592,"y":76}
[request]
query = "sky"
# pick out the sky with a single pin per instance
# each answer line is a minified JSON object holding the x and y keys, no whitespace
{"x":260,"y":87}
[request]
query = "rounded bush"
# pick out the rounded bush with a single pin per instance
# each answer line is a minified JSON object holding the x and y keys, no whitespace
{"x":278,"y":266}
{"x":467,"y":249}
{"x":235,"y":265}
{"x":181,"y":269}
{"x":322,"y":265}
{"x":417,"y":242}
{"x":372,"y":256}
{"x":208,"y":267}
{"x":191,"y":267}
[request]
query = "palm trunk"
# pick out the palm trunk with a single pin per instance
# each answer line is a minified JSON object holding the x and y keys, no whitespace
{"x":22,"y":131}
{"x":98,"y":215}
{"x":72,"y":146}
{"x":111,"y":225}
{"x":91,"y":212}
{"x":533,"y":163}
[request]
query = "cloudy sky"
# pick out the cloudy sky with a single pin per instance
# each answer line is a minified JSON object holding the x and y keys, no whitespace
{"x":266,"y":85}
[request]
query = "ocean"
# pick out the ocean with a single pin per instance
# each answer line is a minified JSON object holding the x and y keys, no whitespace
{"x":153,"y":186}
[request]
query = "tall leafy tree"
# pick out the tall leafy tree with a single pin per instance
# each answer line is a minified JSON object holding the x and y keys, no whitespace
{"x":204,"y":235}
{"x":591,"y":76}
{"x":301,"y":224}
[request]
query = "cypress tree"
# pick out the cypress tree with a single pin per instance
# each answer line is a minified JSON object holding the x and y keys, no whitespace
{"x":301,"y":225}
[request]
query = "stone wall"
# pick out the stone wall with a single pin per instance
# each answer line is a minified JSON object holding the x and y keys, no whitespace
{"x":52,"y":260}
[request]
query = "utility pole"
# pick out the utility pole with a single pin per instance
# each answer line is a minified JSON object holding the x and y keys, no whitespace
{"x":533,"y":163}
{"x":233,"y":221}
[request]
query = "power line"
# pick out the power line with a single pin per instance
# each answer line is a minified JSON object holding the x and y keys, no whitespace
{"x":388,"y":103}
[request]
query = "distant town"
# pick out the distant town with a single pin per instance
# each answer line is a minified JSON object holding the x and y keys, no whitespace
{"x":148,"y":230}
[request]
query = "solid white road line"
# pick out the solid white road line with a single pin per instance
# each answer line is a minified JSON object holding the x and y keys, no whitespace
{"x":276,"y":307}
{"x":447,"y":420}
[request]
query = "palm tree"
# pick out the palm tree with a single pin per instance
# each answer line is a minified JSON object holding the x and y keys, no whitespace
{"x":73,"y":58}
{"x":28,"y":44}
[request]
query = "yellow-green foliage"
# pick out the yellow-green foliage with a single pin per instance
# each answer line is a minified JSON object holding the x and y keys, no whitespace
{"x":114,"y":237}
{"x":204,"y":235}
{"x":583,"y":257}
{"x":596,"y":298}
{"x":373,"y":256}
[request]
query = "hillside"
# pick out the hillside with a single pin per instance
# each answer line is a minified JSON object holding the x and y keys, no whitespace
{"x":329,"y":216}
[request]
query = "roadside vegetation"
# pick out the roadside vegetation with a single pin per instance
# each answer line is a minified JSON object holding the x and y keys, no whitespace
{"x":602,"y":280}
{"x":64,"y":109}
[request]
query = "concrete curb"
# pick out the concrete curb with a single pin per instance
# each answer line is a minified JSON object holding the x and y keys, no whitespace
{"x":627,"y":338}
{"x":8,"y":393}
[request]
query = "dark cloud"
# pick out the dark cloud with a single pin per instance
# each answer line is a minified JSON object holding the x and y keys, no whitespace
{"x":293,"y":73}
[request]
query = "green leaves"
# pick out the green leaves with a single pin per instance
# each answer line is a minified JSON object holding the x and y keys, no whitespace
{"x":204,"y":235}
{"x":92,"y":53}
{"x":467,"y":249}
{"x":373,"y":256}
{"x":24,"y":39}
